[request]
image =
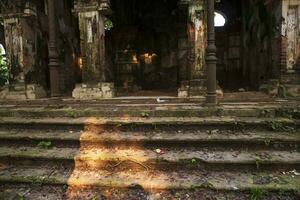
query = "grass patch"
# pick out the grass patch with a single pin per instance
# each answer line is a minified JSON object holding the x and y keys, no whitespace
{"x":72,"y":114}
{"x":44,"y":144}
{"x":145,"y":114}
{"x":257,"y":194}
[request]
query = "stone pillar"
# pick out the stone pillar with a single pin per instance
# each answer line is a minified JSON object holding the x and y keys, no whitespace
{"x":196,"y":33}
{"x":196,"y":85}
{"x":211,"y":58}
{"x":20,"y":27}
{"x":54,"y":64}
{"x":92,"y":37}
{"x":290,"y":52}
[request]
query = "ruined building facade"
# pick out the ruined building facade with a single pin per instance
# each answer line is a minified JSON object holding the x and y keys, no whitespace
{"x":94,"y":49}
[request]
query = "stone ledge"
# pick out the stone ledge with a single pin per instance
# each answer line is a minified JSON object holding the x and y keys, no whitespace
{"x":287,"y":87}
{"x":31,"y":92}
{"x":196,"y":88}
{"x":94,"y":91}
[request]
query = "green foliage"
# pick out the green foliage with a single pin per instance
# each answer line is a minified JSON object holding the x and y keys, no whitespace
{"x":44,"y":144}
{"x":72,"y":114}
{"x":3,"y":71}
{"x":290,"y":113}
{"x":194,"y":161}
{"x":64,"y":188}
{"x":277,"y":126}
{"x":267,"y":142}
{"x":21,"y":198}
{"x":145,"y":114}
{"x":108,"y":25}
{"x":258,"y":162}
{"x":265,"y":113}
{"x":257,"y":194}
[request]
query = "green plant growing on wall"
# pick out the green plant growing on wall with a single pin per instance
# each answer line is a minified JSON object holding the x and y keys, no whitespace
{"x":108,"y":24}
{"x":3,"y":70}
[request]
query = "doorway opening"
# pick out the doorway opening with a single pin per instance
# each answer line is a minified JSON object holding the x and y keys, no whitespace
{"x":142,"y":46}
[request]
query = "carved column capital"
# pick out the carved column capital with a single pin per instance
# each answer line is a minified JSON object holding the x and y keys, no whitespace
{"x":103,"y":6}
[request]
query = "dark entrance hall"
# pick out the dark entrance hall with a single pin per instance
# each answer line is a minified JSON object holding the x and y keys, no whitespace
{"x":143,"y":44}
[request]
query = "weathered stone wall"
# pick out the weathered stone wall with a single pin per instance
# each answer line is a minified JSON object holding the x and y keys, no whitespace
{"x":197,"y":31}
{"x":291,"y":32}
{"x":261,"y":36}
{"x":91,"y":25}
{"x":23,"y":34}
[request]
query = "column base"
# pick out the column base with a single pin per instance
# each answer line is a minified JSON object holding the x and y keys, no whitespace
{"x":23,"y":92}
{"x":270,"y":87}
{"x":288,"y":86}
{"x":94,"y":91}
{"x":196,"y":88}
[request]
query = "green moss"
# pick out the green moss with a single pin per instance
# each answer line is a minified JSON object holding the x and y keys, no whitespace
{"x":279,"y":126}
{"x":145,"y":114}
{"x":72,"y":114}
{"x":257,"y":194}
{"x":258,"y":162}
{"x":44,"y":144}
{"x":64,"y":188}
{"x":267,"y":142}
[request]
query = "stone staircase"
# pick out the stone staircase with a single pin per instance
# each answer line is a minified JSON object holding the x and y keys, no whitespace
{"x":140,"y":149}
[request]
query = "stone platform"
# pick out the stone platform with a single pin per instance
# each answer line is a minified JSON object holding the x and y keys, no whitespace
{"x":23,"y":92}
{"x":195,"y":88}
{"x":94,"y":91}
{"x":287,"y":86}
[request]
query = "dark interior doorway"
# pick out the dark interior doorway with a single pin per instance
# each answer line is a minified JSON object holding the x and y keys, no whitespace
{"x":143,"y":44}
{"x":228,"y":40}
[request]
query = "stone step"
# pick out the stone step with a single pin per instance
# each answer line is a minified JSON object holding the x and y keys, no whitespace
{"x":44,"y":192}
{"x":245,"y":97}
{"x":227,"y":139}
{"x":235,"y":149}
{"x":100,"y":157}
{"x":154,"y":122}
{"x":154,"y":179}
{"x":150,"y":111}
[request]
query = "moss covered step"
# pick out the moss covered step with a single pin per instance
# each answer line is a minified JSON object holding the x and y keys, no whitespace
{"x":58,"y":192}
{"x":150,"y":111}
{"x":102,"y":157}
{"x":154,"y":179}
{"x":179,"y":138}
{"x":245,"y":98}
{"x":153,"y":121}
